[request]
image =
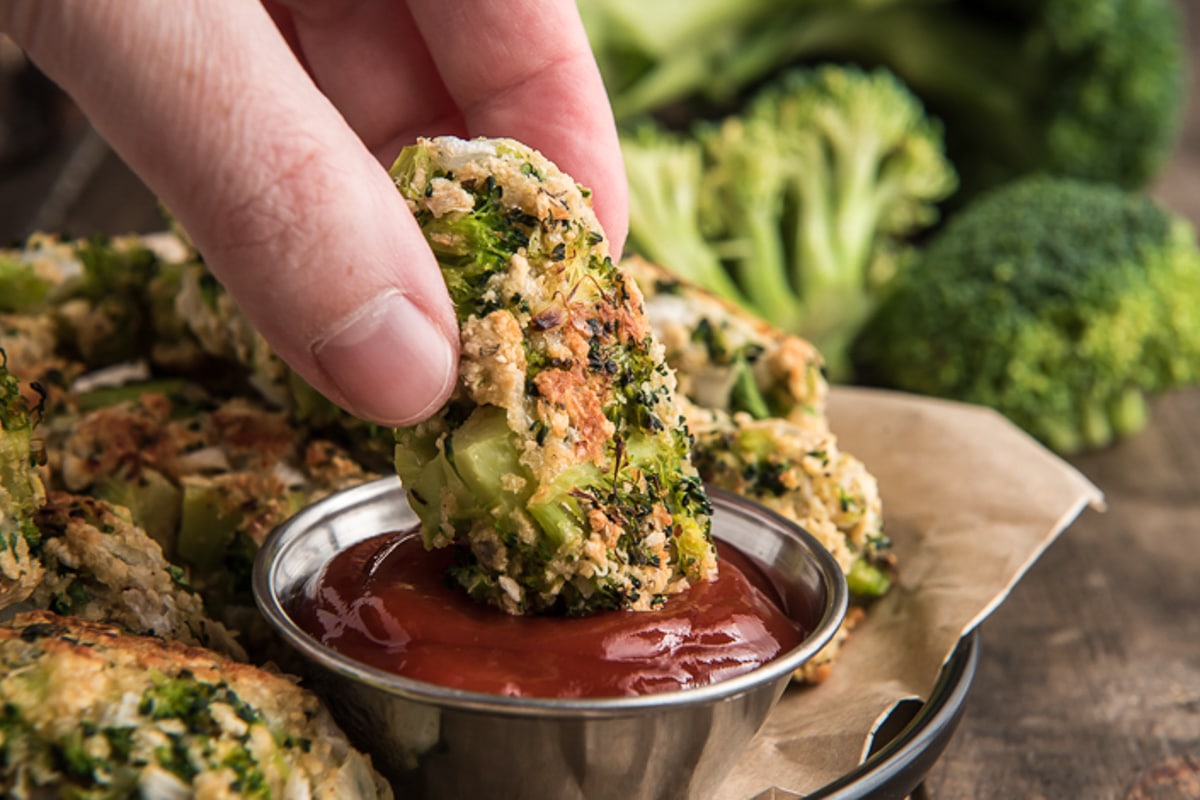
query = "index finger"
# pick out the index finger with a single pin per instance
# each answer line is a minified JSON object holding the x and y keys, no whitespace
{"x":524,"y":69}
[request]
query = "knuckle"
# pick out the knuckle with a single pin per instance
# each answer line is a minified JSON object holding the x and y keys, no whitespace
{"x":280,"y":202}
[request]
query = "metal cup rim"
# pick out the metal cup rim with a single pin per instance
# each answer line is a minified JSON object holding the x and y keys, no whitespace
{"x":273,"y":606}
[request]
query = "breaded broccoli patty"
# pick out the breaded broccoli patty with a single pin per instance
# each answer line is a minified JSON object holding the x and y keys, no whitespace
{"x":100,"y":566}
{"x":21,"y":492}
{"x":560,"y":465}
{"x":755,"y":403}
{"x":88,"y":711}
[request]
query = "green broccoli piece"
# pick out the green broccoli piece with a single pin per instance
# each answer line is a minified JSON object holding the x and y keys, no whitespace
{"x":559,"y":469}
{"x":1088,"y":88}
{"x":22,"y":289}
{"x":666,"y":174}
{"x":102,"y":312}
{"x":1058,"y":302}
{"x":728,"y":360}
{"x":807,"y":199}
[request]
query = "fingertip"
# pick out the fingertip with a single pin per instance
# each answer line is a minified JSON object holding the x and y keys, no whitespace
{"x":388,"y":361}
{"x":611,"y":204}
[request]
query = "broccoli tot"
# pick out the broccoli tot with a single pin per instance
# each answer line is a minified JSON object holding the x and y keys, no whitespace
{"x":90,"y":711}
{"x":21,"y":492}
{"x":1057,"y":302}
{"x":559,"y":467}
{"x":666,"y":173}
{"x":728,"y":360}
{"x":805,"y":476}
{"x":807,"y":198}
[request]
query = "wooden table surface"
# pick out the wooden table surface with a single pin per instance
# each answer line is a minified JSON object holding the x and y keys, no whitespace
{"x":1088,"y":684}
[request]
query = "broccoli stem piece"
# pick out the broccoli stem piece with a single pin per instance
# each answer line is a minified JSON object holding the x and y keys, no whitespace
{"x":483,"y":452}
{"x":745,"y":394}
{"x":651,"y":59}
{"x":865,"y":580}
{"x":207,"y":526}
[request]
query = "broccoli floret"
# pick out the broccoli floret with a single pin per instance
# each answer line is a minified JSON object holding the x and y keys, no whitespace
{"x":1088,"y":88}
{"x":807,"y":199}
{"x":1058,"y":302}
{"x":560,"y":466}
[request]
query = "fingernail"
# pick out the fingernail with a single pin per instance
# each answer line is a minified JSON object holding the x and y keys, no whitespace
{"x":389,"y":360}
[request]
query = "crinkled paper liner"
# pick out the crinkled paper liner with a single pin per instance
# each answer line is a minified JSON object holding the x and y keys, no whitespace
{"x":970,"y":501}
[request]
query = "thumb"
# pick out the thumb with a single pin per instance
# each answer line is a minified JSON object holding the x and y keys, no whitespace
{"x":293,"y":214}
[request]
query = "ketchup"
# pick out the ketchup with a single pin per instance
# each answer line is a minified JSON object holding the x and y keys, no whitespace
{"x":386,"y":602}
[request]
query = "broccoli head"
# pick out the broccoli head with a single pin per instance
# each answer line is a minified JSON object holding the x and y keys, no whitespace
{"x":560,"y":467}
{"x":806,"y":199}
{"x":1056,"y":301}
{"x":1088,"y":88}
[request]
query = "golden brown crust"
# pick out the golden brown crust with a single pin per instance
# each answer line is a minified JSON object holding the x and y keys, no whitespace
{"x":187,"y":716}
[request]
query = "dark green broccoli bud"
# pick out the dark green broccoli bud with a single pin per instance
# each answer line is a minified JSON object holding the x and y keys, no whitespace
{"x":102,"y":313}
{"x":803,"y":205}
{"x":560,"y":465}
{"x":1055,"y":301}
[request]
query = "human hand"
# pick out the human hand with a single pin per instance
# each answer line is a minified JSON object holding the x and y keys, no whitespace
{"x":267,"y":130}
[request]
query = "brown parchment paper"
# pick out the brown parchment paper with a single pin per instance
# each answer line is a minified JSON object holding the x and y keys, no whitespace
{"x":969,"y":501}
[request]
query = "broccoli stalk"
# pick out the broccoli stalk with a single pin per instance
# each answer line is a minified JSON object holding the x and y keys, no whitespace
{"x":1058,"y":302}
{"x":652,"y":56}
{"x":666,"y":177}
{"x":559,"y":469}
{"x":807,"y":199}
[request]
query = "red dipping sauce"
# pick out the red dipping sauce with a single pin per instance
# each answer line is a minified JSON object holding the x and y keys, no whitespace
{"x":405,"y":617}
